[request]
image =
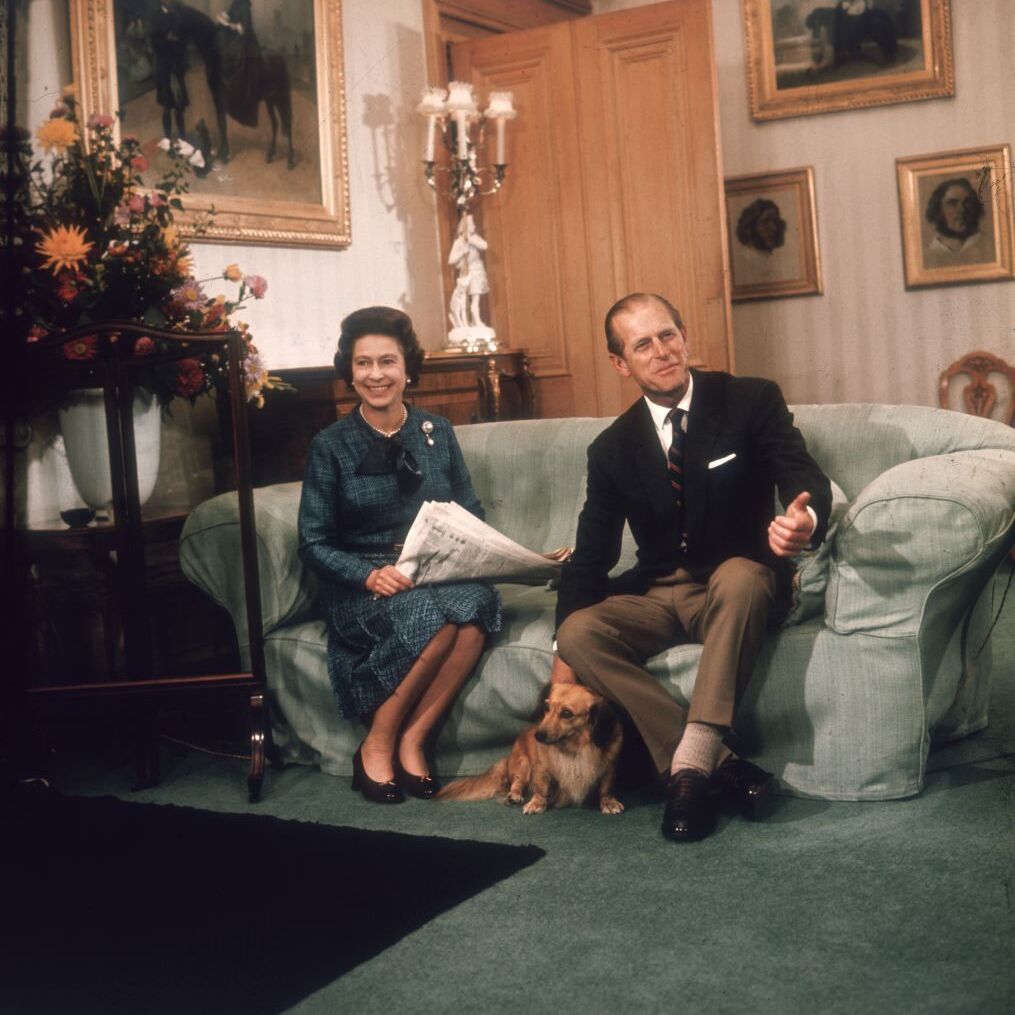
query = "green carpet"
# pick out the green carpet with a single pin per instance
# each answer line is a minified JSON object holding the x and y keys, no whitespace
{"x":902,"y":908}
{"x":113,"y":907}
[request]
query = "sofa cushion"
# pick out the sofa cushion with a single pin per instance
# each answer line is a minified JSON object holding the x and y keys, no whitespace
{"x":917,"y":526}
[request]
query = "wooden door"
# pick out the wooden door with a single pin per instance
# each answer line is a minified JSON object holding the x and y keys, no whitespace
{"x":614,"y":186}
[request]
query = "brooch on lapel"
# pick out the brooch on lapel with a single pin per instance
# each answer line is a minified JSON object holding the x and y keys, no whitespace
{"x":427,"y":427}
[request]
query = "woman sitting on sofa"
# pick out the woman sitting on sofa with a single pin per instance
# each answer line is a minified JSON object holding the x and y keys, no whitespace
{"x":397,"y":655}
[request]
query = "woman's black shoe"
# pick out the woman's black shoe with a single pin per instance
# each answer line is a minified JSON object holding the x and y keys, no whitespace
{"x":423,"y":787}
{"x":375,"y":792}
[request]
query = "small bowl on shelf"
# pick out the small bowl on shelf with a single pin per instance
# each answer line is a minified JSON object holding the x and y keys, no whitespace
{"x":78,"y":518}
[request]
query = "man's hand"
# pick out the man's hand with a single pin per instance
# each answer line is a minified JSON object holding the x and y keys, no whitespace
{"x":387,"y":580}
{"x":561,"y":673}
{"x":789,"y":534}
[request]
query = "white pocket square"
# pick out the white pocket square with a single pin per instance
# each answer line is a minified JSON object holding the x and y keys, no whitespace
{"x":722,"y":461}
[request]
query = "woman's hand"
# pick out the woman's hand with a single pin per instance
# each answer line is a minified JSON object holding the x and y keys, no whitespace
{"x":387,"y":580}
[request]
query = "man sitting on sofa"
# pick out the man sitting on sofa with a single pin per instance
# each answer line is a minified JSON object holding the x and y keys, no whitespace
{"x":692,"y":467}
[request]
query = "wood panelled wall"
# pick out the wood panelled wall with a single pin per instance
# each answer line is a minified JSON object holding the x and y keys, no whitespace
{"x":614,"y":186}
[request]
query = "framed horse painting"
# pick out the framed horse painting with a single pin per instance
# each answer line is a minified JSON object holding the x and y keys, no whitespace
{"x":251,"y":92}
{"x":821,"y":56}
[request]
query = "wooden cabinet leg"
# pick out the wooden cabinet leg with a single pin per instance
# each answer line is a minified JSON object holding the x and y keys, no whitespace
{"x":258,"y":735}
{"x":147,"y":769}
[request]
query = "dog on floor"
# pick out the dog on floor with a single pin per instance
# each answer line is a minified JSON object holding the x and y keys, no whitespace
{"x":570,"y":753}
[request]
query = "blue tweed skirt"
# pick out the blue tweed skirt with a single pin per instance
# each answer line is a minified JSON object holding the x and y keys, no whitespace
{"x":372,"y":643}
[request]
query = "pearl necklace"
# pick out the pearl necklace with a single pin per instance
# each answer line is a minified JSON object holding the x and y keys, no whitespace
{"x":377,"y":429}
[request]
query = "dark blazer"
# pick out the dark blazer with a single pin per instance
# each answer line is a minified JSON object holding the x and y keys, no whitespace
{"x":728,"y":507}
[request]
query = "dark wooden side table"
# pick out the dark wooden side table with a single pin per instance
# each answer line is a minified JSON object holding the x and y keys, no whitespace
{"x":102,"y":594}
{"x":77,"y":633}
{"x":463,"y":387}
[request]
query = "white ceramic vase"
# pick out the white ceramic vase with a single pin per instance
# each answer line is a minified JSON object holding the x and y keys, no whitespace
{"x":83,"y":425}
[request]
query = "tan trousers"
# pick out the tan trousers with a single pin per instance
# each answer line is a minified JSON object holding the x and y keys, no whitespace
{"x":727,"y":611}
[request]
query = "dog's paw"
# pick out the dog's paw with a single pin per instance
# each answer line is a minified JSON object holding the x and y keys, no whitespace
{"x":611,"y":805}
{"x":513,"y":799}
{"x":535,"y":806}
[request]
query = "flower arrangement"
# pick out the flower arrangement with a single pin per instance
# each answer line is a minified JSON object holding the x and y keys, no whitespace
{"x":94,"y":244}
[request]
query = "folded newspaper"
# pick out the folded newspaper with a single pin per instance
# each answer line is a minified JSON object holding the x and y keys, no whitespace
{"x":447,"y":543}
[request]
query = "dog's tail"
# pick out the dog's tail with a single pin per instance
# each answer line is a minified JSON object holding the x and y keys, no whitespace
{"x":491,"y":784}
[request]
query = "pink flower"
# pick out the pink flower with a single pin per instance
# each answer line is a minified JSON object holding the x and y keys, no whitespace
{"x":157,"y":200}
{"x":190,"y":378}
{"x":144,"y":346}
{"x":258,"y":286}
{"x":139,"y":162}
{"x":82,"y":348}
{"x":68,"y":286}
{"x":121,"y":215}
{"x":36,"y":332}
{"x":189,"y":296}
{"x":100,"y":120}
{"x":136,"y":204}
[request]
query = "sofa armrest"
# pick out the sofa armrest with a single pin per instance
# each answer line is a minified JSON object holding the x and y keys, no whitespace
{"x":919,"y":528}
{"x":210,"y":557}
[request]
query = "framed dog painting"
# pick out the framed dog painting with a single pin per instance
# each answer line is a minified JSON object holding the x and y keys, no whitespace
{"x":773,"y":235}
{"x":253,"y":94}
{"x":819,"y":56}
{"x":956,"y":212}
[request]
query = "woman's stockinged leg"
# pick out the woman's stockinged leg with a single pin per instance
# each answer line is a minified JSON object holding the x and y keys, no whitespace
{"x":438,"y":697}
{"x":379,"y":746}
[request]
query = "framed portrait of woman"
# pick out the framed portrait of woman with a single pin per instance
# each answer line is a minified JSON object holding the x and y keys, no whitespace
{"x":250,"y":91}
{"x":820,"y":56}
{"x":956,"y":214}
{"x":773,"y":235}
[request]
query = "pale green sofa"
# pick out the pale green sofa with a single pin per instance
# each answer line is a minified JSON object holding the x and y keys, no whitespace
{"x":844,"y":705}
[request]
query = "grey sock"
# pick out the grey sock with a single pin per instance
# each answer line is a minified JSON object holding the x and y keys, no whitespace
{"x":699,"y":748}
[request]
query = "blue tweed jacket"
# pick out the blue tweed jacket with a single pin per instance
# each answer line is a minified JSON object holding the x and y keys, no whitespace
{"x":339,"y":509}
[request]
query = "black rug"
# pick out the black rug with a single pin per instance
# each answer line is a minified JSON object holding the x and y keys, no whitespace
{"x":112,"y":907}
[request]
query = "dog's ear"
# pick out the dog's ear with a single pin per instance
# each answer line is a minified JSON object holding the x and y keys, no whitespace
{"x":603,"y":723}
{"x":540,"y":708}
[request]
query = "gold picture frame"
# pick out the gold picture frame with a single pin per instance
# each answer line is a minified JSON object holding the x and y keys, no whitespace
{"x":773,"y":235}
{"x":823,"y":56}
{"x":956,"y":215}
{"x":124,"y":66}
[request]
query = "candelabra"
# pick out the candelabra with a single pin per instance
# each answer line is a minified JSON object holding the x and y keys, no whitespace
{"x":455,"y":113}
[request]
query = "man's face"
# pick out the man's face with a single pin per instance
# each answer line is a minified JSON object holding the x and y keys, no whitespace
{"x":655,"y":351}
{"x":768,"y":228}
{"x":956,"y":211}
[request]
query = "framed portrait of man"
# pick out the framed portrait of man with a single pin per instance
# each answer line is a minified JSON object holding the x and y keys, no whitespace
{"x":773,"y":235}
{"x":250,"y":91}
{"x":820,"y":56}
{"x":956,"y":214}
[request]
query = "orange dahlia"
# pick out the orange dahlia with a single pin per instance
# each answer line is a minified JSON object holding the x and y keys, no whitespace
{"x":57,"y":134}
{"x":63,"y":247}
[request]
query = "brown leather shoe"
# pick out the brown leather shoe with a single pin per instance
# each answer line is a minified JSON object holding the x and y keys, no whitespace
{"x":689,"y":815}
{"x":746,"y":786}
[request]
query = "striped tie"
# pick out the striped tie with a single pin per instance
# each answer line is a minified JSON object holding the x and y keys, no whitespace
{"x":675,"y":456}
{"x":675,"y":463}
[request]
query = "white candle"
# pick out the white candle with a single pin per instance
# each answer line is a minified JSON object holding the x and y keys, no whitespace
{"x":462,"y":104}
{"x":501,"y":125}
{"x":432,"y":107}
{"x":431,"y":135}
{"x":500,"y":110}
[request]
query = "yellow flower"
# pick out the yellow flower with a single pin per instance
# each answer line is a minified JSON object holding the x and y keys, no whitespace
{"x":63,"y":247}
{"x":233,"y":273}
{"x":57,"y":134}
{"x":69,"y":91}
{"x":170,"y":237}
